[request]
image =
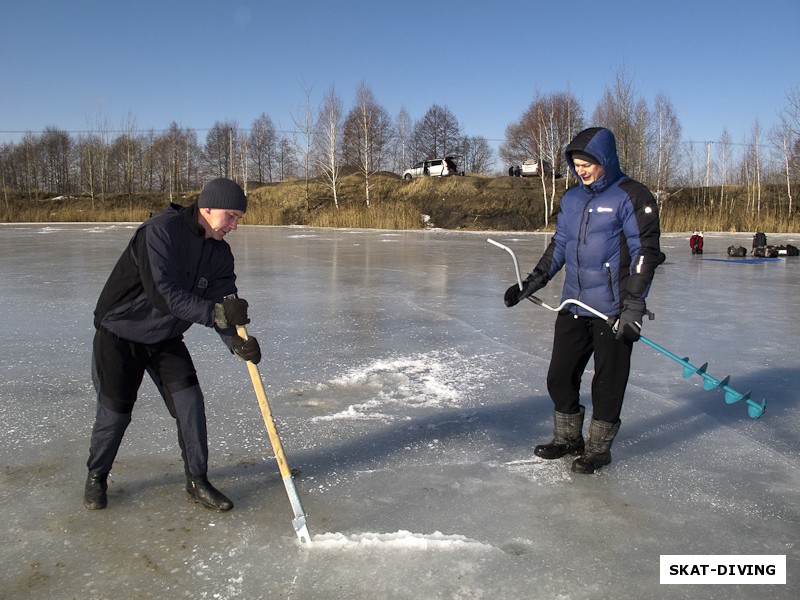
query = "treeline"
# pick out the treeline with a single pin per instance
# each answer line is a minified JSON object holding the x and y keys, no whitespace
{"x":326,"y":141}
{"x":473,"y":202}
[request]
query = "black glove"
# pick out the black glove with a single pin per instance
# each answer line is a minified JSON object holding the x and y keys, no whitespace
{"x":530,"y":285}
{"x":231,"y":312}
{"x":629,"y":324}
{"x":247,"y":349}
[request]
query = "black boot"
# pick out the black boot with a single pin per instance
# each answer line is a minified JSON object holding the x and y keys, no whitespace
{"x":567,"y":436}
{"x":199,"y":489}
{"x":94,"y":494}
{"x":598,"y":448}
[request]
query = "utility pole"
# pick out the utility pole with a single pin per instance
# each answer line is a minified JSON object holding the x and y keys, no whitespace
{"x":230,"y":152}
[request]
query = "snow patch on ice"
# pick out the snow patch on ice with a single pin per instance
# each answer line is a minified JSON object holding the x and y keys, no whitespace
{"x":430,"y":380}
{"x":402,"y":539}
{"x":538,"y":470}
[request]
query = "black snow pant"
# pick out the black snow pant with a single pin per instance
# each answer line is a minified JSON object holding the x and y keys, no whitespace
{"x":118,"y":367}
{"x":576,"y":340}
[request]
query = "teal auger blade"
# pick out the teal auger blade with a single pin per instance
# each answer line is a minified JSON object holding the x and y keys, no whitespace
{"x":711,"y":383}
{"x":690,"y":370}
{"x":755,"y":410}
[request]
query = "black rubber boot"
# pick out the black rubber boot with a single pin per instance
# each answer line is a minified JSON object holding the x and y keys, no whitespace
{"x":567,"y":436}
{"x":598,"y":448}
{"x":94,"y":494}
{"x":199,"y":489}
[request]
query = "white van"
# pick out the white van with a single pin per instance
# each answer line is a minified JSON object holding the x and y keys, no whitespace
{"x":435,"y":167}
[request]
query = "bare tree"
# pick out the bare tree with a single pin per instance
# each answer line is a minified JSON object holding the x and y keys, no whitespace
{"x":302,"y":142}
{"x":126,"y":151}
{"x":622,"y":111}
{"x":724,"y":152}
{"x":755,"y":154}
{"x":219,"y":152}
{"x":366,"y":135}
{"x":437,"y":133}
{"x":403,"y":131}
{"x":263,"y":147}
{"x":328,"y":136}
{"x":541,"y":134}
{"x":478,"y":156}
{"x":89,"y":152}
{"x":286,"y":162}
{"x":668,"y":134}
{"x":56,"y":147}
{"x":786,"y":140}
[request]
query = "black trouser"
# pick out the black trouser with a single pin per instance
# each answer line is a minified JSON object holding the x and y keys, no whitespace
{"x":118,"y":367}
{"x":576,"y":339}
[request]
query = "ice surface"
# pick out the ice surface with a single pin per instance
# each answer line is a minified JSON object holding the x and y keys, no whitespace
{"x":409,"y":398}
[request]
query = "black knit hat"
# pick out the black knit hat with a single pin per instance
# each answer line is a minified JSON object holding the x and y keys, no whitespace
{"x":584,"y":156}
{"x":222,"y":193}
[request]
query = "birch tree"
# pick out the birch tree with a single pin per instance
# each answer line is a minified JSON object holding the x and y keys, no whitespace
{"x":366,"y":136}
{"x":668,"y":134}
{"x":542,"y":132}
{"x":786,"y":139}
{"x":328,"y":135}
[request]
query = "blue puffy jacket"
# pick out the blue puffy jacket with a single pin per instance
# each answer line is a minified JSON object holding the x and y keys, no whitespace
{"x":169,"y":277}
{"x":607,"y":234}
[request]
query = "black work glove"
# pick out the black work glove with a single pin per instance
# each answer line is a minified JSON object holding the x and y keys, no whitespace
{"x":530,"y":285}
{"x":230,"y":313}
{"x":247,"y":349}
{"x":629,"y":324}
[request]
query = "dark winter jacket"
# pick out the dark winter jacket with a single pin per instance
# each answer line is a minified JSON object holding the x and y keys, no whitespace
{"x":169,"y":277}
{"x":607,"y":234}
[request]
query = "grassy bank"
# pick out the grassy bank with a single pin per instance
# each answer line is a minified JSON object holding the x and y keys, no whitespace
{"x":474,"y":203}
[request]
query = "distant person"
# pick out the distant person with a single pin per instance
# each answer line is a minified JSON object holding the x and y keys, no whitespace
{"x":696,"y":242}
{"x":608,"y":239}
{"x":176,"y":270}
{"x":759,"y":243}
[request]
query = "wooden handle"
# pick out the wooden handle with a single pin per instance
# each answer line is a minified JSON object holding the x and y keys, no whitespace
{"x":263,"y":403}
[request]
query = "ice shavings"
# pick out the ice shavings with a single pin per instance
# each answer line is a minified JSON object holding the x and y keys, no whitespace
{"x":402,"y":539}
{"x":430,"y":380}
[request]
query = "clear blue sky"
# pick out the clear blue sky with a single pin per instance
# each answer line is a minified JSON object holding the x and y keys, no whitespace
{"x":71,"y":64}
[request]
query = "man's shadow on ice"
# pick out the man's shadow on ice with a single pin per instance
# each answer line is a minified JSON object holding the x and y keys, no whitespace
{"x":502,"y":432}
{"x":510,"y":430}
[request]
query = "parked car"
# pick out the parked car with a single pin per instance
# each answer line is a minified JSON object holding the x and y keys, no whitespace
{"x":435,"y":167}
{"x":536,"y":168}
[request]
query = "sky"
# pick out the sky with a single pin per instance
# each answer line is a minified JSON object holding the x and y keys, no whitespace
{"x":76,"y":65}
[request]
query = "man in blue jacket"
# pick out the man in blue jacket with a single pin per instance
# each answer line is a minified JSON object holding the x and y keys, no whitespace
{"x":176,"y":270}
{"x":607,"y":239}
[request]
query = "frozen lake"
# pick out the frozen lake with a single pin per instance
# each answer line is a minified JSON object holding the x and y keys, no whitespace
{"x":410,"y":398}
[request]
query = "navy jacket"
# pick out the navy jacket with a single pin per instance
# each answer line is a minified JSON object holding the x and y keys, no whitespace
{"x":169,"y":277}
{"x":607,"y":233}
